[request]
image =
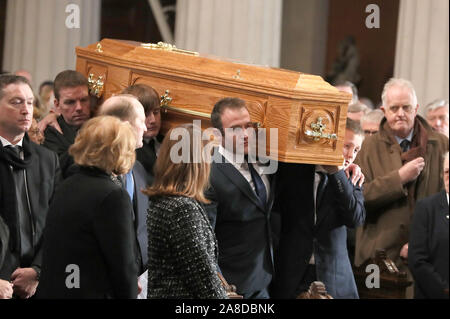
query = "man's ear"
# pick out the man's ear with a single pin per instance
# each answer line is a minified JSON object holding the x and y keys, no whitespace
{"x":56,"y":104}
{"x":383,"y":109}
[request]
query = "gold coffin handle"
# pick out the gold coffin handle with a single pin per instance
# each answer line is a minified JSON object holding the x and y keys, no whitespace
{"x":317,"y":131}
{"x":96,"y":87}
{"x":166,"y":100}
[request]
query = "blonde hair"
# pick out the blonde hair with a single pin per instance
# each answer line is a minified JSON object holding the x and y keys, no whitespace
{"x":107,"y":143}
{"x":183,"y":179}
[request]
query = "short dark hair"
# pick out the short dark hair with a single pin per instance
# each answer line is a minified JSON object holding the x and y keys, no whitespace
{"x":222,"y":105}
{"x":147,"y":95}
{"x":7,"y":79}
{"x":68,"y":79}
{"x":354,"y":126}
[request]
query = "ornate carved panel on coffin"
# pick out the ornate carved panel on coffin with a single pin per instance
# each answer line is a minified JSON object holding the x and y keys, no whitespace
{"x":318,"y":127}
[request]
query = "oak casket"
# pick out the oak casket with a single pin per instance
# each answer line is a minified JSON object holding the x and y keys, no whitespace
{"x":308,"y":112}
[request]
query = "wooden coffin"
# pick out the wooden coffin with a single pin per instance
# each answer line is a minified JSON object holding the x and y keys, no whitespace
{"x":309,"y":113}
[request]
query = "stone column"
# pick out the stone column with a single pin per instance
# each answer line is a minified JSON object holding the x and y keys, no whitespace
{"x":243,"y":30}
{"x":422,"y":48}
{"x":38,"y":40}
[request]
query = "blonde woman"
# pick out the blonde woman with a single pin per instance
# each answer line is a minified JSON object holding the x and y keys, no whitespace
{"x":182,"y":247}
{"x":89,"y":235}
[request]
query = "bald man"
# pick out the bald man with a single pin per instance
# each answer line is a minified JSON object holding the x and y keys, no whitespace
{"x":128,"y":108}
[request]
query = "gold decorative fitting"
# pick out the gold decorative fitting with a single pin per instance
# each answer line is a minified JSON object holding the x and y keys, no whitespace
{"x":99,"y":48}
{"x":317,"y":132}
{"x":167,"y":47}
{"x":96,"y":86}
{"x":165,"y":99}
{"x":238,"y":75}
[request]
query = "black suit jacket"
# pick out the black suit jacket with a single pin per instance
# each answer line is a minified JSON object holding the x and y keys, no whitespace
{"x":43,"y":176}
{"x":428,"y":247}
{"x":60,"y":143}
{"x":242,"y":228}
{"x":89,"y":225}
{"x":340,"y":205}
{"x":146,"y":155}
{"x":140,"y":205}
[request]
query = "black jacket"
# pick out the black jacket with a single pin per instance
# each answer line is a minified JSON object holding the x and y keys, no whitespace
{"x":43,"y":177}
{"x":60,"y":143}
{"x":243,"y":229}
{"x":89,"y":225}
{"x":146,"y":155}
{"x":428,"y":247}
{"x":339,"y":205}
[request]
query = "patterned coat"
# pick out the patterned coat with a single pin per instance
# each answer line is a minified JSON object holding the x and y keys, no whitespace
{"x":182,"y":251}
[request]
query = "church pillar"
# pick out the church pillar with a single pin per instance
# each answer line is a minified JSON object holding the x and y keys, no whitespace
{"x":38,"y":39}
{"x":422,"y":48}
{"x":243,"y":30}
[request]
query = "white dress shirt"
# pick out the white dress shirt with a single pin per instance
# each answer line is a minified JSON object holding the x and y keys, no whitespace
{"x":244,"y":170}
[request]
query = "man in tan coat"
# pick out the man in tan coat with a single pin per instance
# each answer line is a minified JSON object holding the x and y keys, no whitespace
{"x":402,"y":163}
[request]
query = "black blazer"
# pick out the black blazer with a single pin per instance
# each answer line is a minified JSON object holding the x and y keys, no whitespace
{"x":43,"y":177}
{"x":4,"y":240}
{"x":89,"y":225}
{"x":146,"y":155}
{"x":60,"y":143}
{"x":242,"y":227}
{"x":428,"y":247}
{"x":140,"y":205}
{"x":340,"y":205}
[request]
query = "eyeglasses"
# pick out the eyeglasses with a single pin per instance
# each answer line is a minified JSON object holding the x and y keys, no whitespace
{"x":369,"y":132}
{"x":394,"y":109}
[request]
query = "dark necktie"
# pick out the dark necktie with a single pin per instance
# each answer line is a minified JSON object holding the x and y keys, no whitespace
{"x":404,"y":145}
{"x":321,"y":188}
{"x":260,"y":188}
{"x":15,"y":149}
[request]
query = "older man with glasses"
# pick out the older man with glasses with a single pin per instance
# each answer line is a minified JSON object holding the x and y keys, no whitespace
{"x":402,"y":164}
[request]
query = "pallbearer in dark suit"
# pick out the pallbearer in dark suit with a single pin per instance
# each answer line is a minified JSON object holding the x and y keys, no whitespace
{"x":89,"y":238}
{"x":150,"y":100}
{"x":242,"y":198}
{"x":29,"y":175}
{"x":317,"y":204}
{"x":428,"y":245}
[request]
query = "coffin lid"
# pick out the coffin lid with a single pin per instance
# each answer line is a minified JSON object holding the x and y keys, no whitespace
{"x":257,"y":78}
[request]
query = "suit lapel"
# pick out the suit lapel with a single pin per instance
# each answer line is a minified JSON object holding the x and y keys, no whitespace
{"x":33,"y":183}
{"x":443,"y":205}
{"x":237,"y":179}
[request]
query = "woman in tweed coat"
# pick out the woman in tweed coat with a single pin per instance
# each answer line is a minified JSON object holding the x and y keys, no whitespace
{"x":182,"y":247}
